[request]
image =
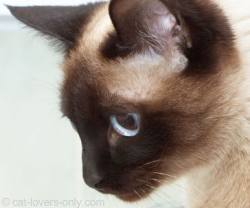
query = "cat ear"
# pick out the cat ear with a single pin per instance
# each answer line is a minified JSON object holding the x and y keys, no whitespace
{"x":144,"y":24}
{"x":62,"y":23}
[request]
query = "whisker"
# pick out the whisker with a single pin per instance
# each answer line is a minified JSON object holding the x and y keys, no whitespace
{"x":150,"y":186}
{"x":165,"y":174}
{"x":157,"y":180}
{"x":150,"y":163}
{"x":137,"y":194}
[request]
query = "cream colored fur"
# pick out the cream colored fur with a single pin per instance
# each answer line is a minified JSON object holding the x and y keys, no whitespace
{"x":225,"y":182}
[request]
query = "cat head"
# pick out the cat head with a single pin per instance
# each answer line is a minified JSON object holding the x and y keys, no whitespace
{"x":144,"y":85}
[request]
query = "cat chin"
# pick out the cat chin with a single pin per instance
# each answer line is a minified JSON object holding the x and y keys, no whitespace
{"x":134,"y":195}
{"x":127,"y":197}
{"x":130,"y":197}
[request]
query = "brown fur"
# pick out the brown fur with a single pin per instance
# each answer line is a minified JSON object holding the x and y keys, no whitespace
{"x":192,"y":97}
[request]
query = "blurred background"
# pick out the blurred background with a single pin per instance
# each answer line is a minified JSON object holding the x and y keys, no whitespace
{"x":40,"y":153}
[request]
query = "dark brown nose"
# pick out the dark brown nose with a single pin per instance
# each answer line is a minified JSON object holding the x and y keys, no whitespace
{"x":94,"y":170}
{"x":93,"y":178}
{"x":96,"y":160}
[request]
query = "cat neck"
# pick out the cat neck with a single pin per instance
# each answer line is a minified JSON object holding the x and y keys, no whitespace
{"x":225,"y":182}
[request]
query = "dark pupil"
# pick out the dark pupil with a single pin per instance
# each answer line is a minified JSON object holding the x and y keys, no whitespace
{"x":127,"y":121}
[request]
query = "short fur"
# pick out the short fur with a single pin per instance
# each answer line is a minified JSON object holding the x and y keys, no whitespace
{"x":189,"y":82}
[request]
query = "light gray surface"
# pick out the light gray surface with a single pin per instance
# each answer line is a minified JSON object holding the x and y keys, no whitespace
{"x":40,"y":154}
{"x":4,"y":11}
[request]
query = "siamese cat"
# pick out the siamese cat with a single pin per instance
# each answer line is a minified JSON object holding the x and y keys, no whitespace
{"x":156,"y":89}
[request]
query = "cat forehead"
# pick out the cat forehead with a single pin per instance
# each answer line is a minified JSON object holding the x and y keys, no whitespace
{"x":141,"y":78}
{"x":135,"y":79}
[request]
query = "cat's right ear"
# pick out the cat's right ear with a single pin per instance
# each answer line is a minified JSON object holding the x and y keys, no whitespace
{"x":62,"y":23}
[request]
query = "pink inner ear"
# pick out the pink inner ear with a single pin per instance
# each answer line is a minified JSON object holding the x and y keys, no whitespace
{"x":163,"y":25}
{"x":160,"y":15}
{"x":144,"y":24}
{"x":158,"y":28}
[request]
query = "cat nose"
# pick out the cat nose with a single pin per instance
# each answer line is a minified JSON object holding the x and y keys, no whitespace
{"x":95,"y":164}
{"x":93,"y":179}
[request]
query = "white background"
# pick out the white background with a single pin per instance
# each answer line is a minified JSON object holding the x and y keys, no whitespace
{"x":3,"y":10}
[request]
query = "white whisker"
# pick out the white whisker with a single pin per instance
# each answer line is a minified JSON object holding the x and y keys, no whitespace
{"x":137,"y":194}
{"x":150,"y":163}
{"x":165,"y":174}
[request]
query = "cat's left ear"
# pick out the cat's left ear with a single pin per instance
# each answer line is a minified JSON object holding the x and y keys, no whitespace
{"x":145,"y":24}
{"x":63,"y":23}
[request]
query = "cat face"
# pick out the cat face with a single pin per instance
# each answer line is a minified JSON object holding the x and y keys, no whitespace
{"x":143,"y":86}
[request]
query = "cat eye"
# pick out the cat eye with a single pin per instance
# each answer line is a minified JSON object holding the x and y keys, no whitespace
{"x":127,"y":125}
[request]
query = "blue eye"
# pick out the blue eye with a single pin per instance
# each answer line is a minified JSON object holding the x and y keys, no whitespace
{"x":127,"y":125}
